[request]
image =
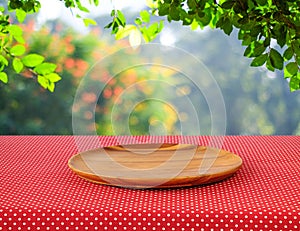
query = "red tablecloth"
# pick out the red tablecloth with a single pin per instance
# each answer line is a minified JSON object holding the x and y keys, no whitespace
{"x":39,"y":192}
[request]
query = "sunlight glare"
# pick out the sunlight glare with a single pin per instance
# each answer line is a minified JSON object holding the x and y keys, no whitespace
{"x":167,"y":37}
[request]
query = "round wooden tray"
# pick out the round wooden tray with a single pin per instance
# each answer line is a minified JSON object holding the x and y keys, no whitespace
{"x":155,"y":165}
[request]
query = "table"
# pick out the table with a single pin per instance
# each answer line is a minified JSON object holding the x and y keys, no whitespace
{"x":39,"y":192}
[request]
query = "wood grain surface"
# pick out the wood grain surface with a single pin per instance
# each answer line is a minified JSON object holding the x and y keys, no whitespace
{"x":155,"y":165}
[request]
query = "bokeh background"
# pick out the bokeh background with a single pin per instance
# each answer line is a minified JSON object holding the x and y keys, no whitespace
{"x":258,"y":102}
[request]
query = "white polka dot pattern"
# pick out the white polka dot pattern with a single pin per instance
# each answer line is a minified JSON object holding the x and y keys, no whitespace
{"x":39,"y":192}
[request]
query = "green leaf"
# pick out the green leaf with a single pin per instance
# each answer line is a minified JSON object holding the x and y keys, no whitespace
{"x":17,"y":33}
{"x":291,"y":69}
{"x":259,"y":60}
{"x":191,"y":4}
{"x":45,"y":68}
{"x":113,"y":13}
{"x":294,"y":84}
{"x":194,"y":25}
{"x":19,"y":39}
{"x":205,"y":20}
{"x":138,"y":21}
{"x":145,"y":35}
{"x":267,"y":41}
{"x":174,"y":12}
{"x":269,"y":64}
{"x":258,"y":49}
{"x":152,"y":31}
{"x":124,"y":31}
{"x":255,"y":31}
{"x":279,"y":31}
{"x":227,"y":4}
{"x":163,"y":9}
{"x":32,"y":60}
{"x":262,"y":2}
{"x":88,"y":21}
{"x":160,"y":26}
{"x":44,"y":82}
{"x":276,"y":59}
{"x":288,"y":53}
{"x":17,"y":50}
{"x":37,"y":6}
{"x":115,"y":27}
{"x":122,"y":18}
{"x":96,"y":2}
{"x":247,"y":39}
{"x":109,"y":25}
{"x":81,"y":7}
{"x":51,"y":87}
{"x":296,"y":47}
{"x":15,"y":4}
{"x":3,"y":60}
{"x":220,"y":22}
{"x":69,"y":3}
{"x":53,"y":77}
{"x":17,"y":65}
{"x":15,"y":30}
{"x":254,"y":49}
{"x":3,"y":77}
{"x":145,"y":16}
{"x":28,"y":6}
{"x":21,"y":15}
{"x":227,"y":26}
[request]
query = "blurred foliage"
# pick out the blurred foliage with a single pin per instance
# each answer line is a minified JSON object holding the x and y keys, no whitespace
{"x":131,"y":104}
{"x":258,"y":22}
{"x":12,"y":42}
{"x":128,"y":103}
{"x":253,"y":107}
{"x":28,"y":109}
{"x":13,"y":49}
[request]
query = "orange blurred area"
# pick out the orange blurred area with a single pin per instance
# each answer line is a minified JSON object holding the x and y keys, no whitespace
{"x":89,"y":97}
